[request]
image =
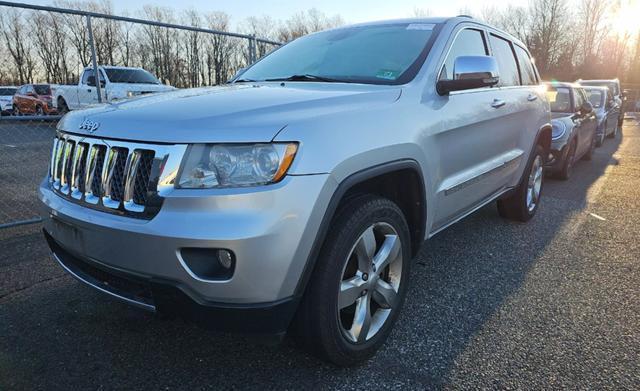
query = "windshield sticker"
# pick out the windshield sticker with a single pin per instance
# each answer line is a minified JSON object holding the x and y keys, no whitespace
{"x":421,"y":26}
{"x":387,"y":74}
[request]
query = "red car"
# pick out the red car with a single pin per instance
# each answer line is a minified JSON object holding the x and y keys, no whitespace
{"x":34,"y":99}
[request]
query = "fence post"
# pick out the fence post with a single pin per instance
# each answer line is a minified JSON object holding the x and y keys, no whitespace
{"x":94,"y":62}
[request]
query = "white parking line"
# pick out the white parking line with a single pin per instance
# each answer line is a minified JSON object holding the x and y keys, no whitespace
{"x":598,"y":217}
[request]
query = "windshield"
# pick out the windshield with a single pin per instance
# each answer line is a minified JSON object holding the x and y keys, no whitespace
{"x":131,"y":76}
{"x":42,"y":89}
{"x":559,"y":99}
{"x":7,"y":91}
{"x":596,"y":98}
{"x":384,"y":54}
{"x":612,"y":85}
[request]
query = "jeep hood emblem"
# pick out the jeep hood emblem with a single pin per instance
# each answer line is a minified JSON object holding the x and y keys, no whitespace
{"x":89,"y":126}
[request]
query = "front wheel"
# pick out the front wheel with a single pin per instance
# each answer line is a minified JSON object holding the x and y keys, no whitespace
{"x":614,"y":133}
{"x":523,"y":203}
{"x":359,"y":283}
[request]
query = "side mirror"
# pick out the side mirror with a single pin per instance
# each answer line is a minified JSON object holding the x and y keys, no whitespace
{"x":470,"y":72}
{"x":586,"y":108}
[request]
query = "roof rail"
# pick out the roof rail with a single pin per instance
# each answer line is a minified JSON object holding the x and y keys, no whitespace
{"x":465,"y":16}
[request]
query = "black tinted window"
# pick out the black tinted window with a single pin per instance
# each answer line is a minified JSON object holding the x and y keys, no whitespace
{"x":42,"y":89}
{"x":134,"y":76}
{"x":527,"y":73}
{"x":469,"y":42}
{"x":87,"y":74}
{"x":507,"y":66}
{"x":7,"y":91}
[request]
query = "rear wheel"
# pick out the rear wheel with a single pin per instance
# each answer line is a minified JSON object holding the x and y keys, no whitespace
{"x":359,"y":283}
{"x":567,"y":166}
{"x":614,"y":133}
{"x":523,"y":203}
{"x":39,"y":111}
{"x":62,"y":106}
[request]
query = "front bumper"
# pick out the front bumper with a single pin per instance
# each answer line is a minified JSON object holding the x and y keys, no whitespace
{"x":270,"y":230}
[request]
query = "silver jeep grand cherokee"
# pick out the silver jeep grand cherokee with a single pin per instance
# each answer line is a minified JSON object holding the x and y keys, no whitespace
{"x":294,"y":198}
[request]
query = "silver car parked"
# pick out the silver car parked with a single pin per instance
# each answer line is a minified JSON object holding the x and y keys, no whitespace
{"x":295,"y":198}
{"x":604,"y":107}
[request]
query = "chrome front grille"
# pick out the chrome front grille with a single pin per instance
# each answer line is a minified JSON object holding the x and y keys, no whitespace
{"x":114,"y":176}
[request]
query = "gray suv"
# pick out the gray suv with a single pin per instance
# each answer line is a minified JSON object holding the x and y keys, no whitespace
{"x":295,"y":198}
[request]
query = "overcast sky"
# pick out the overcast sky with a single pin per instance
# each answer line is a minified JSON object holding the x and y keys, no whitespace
{"x":352,"y":11}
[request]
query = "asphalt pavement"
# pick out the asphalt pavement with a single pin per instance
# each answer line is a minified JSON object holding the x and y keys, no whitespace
{"x":551,"y":304}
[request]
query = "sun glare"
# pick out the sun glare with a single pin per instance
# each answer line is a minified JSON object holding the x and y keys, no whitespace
{"x":626,"y":20}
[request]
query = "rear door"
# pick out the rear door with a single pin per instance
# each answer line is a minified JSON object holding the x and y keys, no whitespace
{"x":588,"y":125}
{"x":478,"y":139}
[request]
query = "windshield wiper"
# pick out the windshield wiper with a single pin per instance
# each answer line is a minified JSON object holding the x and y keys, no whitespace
{"x":243,"y":81}
{"x":308,"y":77}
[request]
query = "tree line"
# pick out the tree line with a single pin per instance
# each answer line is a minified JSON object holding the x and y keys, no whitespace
{"x":41,"y":46}
{"x":569,"y":39}
{"x":574,"y":39}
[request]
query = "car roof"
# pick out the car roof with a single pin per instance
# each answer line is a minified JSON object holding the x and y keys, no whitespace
{"x":562,"y":84}
{"x":598,"y":81}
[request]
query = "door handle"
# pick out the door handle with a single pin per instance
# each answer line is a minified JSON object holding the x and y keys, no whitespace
{"x":532,"y":97}
{"x":89,"y":90}
{"x":497,"y":103}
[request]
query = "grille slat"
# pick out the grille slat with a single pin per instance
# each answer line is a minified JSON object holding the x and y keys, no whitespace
{"x":108,"y":177}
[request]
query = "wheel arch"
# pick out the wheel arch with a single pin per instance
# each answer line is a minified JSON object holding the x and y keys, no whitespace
{"x":372,"y":180}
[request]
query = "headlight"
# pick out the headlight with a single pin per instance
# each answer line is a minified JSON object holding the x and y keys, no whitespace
{"x":558,"y":129}
{"x":235,"y":165}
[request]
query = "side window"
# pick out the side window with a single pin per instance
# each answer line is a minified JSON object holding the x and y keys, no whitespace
{"x":469,"y":42}
{"x":578,"y":98}
{"x":527,"y":73}
{"x":507,"y":66}
{"x":86,"y":74}
{"x":29,"y":89}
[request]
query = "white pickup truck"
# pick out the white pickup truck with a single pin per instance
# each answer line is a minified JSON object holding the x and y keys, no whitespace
{"x":116,"y":83}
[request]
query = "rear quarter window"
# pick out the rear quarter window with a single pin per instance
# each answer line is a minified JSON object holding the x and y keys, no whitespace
{"x":527,"y":72}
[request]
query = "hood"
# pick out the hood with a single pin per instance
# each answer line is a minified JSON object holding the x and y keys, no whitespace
{"x":232,"y":113}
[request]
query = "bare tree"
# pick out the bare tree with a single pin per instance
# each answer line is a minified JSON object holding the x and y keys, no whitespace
{"x":16,"y":35}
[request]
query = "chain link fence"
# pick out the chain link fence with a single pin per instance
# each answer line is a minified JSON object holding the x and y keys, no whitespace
{"x":49,"y":60}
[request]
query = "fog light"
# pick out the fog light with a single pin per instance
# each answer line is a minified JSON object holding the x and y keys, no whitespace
{"x":225,"y":258}
{"x":208,"y":263}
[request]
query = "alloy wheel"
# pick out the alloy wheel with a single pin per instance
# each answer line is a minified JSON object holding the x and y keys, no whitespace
{"x":370,"y":283}
{"x":535,"y":184}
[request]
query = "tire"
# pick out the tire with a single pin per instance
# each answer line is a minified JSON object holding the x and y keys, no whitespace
{"x":320,"y":325}
{"x":39,"y":111}
{"x":567,"y":166}
{"x":589,"y":154}
{"x":614,"y":133}
{"x":62,"y":106}
{"x":16,"y":111}
{"x":523,"y":203}
{"x":600,"y":140}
